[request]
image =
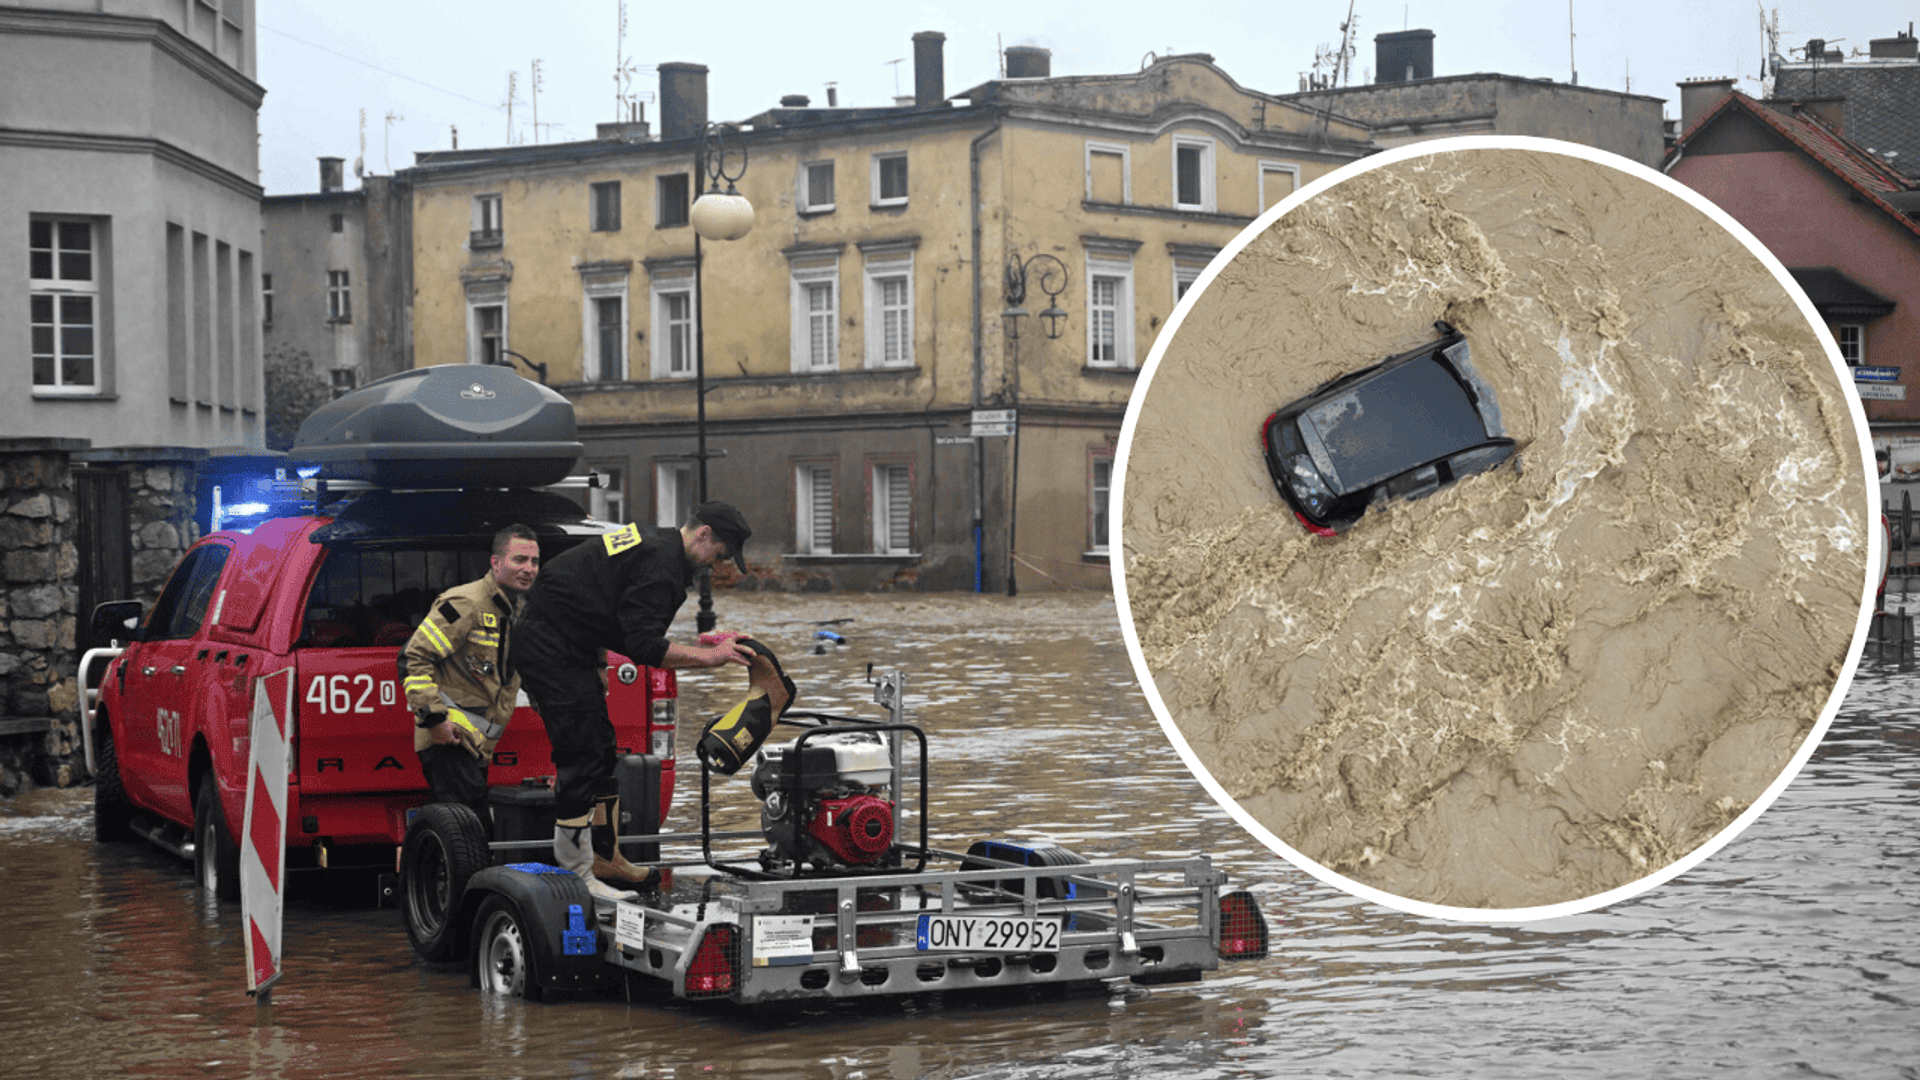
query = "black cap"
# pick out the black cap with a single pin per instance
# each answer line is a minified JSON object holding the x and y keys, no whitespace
{"x":729,"y":525}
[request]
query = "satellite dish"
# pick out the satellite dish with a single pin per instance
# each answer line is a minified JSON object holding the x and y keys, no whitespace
{"x":359,"y":168}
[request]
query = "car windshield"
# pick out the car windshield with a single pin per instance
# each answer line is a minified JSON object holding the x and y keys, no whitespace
{"x":1406,"y":416}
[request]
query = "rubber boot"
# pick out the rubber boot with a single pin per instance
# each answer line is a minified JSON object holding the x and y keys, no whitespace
{"x":608,"y":862}
{"x":573,"y":851}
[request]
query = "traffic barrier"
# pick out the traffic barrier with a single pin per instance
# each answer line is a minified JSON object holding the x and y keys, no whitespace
{"x":263,"y":846}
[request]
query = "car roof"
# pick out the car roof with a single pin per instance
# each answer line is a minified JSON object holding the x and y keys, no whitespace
{"x":1401,"y":417}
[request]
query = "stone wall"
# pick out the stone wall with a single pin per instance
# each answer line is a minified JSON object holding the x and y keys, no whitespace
{"x":160,"y":517}
{"x":39,"y":699}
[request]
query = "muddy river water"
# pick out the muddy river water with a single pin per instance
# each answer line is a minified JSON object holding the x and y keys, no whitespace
{"x":1790,"y":952}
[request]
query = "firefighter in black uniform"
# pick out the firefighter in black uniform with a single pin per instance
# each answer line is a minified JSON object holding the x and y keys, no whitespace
{"x":618,"y":592}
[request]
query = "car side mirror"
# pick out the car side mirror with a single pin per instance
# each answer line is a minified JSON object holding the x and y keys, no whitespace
{"x":114,"y":621}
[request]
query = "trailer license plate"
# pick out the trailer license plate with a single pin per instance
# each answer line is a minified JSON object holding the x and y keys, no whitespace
{"x":983,"y":933}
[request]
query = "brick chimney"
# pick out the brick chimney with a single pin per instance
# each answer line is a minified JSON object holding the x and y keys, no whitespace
{"x":333,"y":176}
{"x":1901,"y":46}
{"x":1699,"y":96}
{"x":1402,"y":56}
{"x":683,"y":100}
{"x":929,"y":69}
{"x":1029,"y":62}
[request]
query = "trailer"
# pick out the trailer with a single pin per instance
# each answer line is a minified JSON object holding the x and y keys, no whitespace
{"x":846,"y":899}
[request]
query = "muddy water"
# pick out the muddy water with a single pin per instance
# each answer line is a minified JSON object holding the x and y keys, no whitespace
{"x":1542,"y":683}
{"x":1790,"y":951}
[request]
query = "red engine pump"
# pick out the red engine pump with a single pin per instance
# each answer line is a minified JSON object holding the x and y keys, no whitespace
{"x":858,"y":829}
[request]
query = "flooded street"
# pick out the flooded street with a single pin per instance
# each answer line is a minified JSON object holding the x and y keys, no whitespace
{"x":1791,"y":952}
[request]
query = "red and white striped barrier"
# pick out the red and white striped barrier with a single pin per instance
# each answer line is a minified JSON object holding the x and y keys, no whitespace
{"x":263,"y":839}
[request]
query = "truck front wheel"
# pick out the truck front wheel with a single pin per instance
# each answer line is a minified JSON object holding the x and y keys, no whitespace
{"x":112,"y":813}
{"x":216,"y":858}
{"x":445,"y":845}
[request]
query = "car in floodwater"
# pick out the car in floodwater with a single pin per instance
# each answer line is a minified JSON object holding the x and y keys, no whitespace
{"x":1399,"y":430}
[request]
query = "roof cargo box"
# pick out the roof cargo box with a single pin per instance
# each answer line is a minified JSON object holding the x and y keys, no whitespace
{"x":456,"y":425}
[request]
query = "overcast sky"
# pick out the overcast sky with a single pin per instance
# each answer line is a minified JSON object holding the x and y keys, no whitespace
{"x":435,"y":65}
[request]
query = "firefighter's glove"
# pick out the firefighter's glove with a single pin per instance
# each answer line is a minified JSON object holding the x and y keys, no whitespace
{"x":466,"y":733}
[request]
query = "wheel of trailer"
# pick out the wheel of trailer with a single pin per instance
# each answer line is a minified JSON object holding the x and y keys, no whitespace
{"x":502,"y":956}
{"x":445,"y":845}
{"x":216,"y":857}
{"x":112,"y":813}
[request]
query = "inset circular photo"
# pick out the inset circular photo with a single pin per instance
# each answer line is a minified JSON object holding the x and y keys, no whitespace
{"x":1493,"y":534}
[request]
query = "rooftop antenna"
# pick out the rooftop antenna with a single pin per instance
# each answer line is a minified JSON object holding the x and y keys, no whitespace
{"x":359,"y":163}
{"x":1348,"y":29}
{"x":622,"y":68}
{"x":1770,"y":60}
{"x":513,"y":96}
{"x":386,"y":149}
{"x":895,"y":65}
{"x":1572,"y":66}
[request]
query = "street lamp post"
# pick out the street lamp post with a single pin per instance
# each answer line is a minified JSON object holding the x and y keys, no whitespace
{"x":715,"y":215}
{"x":1051,"y":276}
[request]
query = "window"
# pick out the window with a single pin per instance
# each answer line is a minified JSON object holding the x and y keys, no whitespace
{"x":672,"y":493}
{"x":610,"y":336}
{"x":813,"y":502}
{"x":1183,"y":278}
{"x":608,"y":500}
{"x":671,"y":200}
{"x":1109,"y":313}
{"x":339,"y":223}
{"x":890,"y":179}
{"x":889,"y":302}
{"x":266,"y":300}
{"x":487,"y":330}
{"x":1108,"y":179}
{"x":345,"y":380}
{"x":1277,"y":181}
{"x":488,"y":228}
{"x":1852,"y":339}
{"x":1189,"y":262}
{"x":816,"y":316}
{"x":182,"y":606}
{"x":339,"y":297}
{"x":892,"y":510}
{"x":64,"y":271}
{"x":605,"y":209}
{"x":673,"y":326}
{"x":1099,"y":484}
{"x":1192,"y":173}
{"x":816,"y":187}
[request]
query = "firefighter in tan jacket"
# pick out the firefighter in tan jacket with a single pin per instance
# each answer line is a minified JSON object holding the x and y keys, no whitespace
{"x":458,"y":675}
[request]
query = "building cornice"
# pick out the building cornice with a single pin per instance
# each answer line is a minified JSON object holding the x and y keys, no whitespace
{"x":88,"y":24}
{"x":131,"y":144}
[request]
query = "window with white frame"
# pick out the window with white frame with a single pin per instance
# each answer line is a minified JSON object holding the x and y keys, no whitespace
{"x":487,"y":333}
{"x":604,"y":331}
{"x":1109,"y":312}
{"x":889,"y":304}
{"x":607,"y":500}
{"x":1192,"y":173}
{"x":1184,"y":275}
{"x":890,"y":179}
{"x":1099,"y":504}
{"x":813,"y":509}
{"x":603,"y":211}
{"x":1278,"y":179}
{"x":1109,"y":180}
{"x":816,"y":187}
{"x":672,"y":493}
{"x":892,"y":509}
{"x":816,"y":317}
{"x":1852,"y":339}
{"x":339,"y":297}
{"x":672,"y":303}
{"x":488,"y":228}
{"x":66,"y":325}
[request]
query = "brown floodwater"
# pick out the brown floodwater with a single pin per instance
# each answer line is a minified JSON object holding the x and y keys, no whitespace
{"x":1544,"y":682}
{"x":1790,"y":952}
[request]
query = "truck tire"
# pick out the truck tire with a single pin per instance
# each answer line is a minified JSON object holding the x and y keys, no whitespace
{"x":445,"y":845}
{"x":112,"y":813}
{"x":503,"y":954}
{"x":216,"y":857}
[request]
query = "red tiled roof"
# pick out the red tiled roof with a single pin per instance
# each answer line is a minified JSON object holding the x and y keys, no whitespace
{"x":1865,"y":172}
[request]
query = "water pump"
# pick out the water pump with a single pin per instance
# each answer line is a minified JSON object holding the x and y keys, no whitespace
{"x":823,"y":802}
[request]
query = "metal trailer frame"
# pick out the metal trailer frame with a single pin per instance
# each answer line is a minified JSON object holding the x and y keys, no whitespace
{"x":756,"y":937}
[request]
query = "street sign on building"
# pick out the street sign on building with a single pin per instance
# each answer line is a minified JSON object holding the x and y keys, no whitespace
{"x":993,"y":422}
{"x":1866,"y":373}
{"x":1874,"y":391}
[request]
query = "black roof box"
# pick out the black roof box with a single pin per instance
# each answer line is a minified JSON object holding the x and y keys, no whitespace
{"x":456,"y":425}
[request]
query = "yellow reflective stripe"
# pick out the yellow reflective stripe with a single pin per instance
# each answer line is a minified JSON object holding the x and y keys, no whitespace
{"x":477,"y":725}
{"x":481,"y":637}
{"x":418,"y":682}
{"x":435,"y":638}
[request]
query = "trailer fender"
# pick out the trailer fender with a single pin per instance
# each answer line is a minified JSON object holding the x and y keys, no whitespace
{"x":563,"y":938}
